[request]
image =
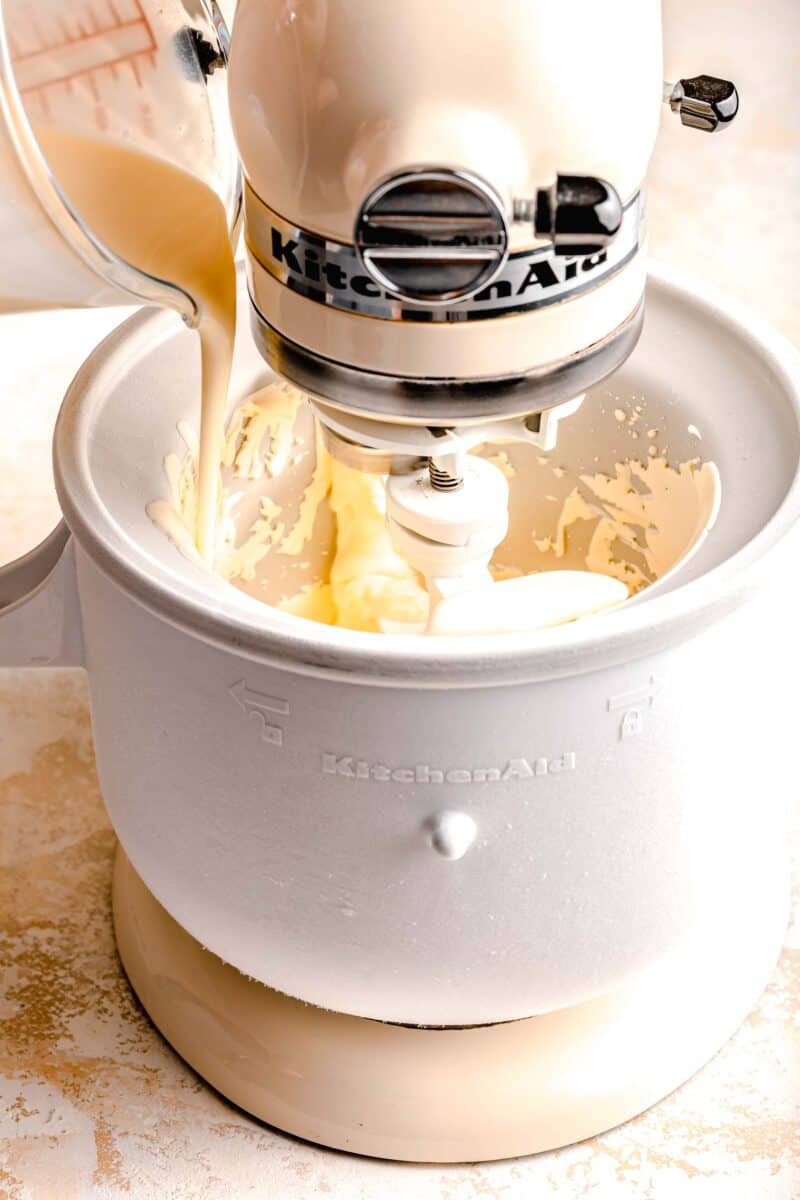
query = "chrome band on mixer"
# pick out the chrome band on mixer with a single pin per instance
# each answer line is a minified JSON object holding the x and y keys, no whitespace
{"x":329,"y":272}
{"x":441,"y":401}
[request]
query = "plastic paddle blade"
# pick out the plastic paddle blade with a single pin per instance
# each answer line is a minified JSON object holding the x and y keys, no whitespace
{"x":526,"y":604}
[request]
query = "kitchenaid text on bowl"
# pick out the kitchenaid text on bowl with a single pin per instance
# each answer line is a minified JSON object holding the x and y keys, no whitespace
{"x":514,"y":770}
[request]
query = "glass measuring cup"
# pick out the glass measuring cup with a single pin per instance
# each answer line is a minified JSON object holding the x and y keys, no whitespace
{"x":148,"y":75}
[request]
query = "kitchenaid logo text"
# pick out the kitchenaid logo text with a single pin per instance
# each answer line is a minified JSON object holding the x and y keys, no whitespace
{"x":539,"y":273}
{"x":331,"y":273}
{"x":515,"y":769}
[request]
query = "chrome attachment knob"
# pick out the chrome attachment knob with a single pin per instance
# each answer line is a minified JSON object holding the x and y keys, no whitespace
{"x":703,"y":102}
{"x":579,"y":214}
{"x":432,"y":236}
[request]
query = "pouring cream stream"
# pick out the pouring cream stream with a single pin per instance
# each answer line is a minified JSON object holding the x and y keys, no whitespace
{"x":169,"y":224}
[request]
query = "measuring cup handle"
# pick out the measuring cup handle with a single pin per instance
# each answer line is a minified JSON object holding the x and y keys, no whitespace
{"x":40,"y":623}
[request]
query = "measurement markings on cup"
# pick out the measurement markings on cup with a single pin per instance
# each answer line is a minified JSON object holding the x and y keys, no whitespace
{"x":88,"y":46}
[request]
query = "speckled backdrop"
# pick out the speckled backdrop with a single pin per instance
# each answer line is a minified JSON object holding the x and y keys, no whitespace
{"x":93,"y":1104}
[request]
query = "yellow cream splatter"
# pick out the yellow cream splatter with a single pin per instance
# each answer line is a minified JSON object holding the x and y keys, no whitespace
{"x":503,"y":463}
{"x":240,"y":562}
{"x":646,"y":514}
{"x":315,"y":493}
{"x":634,"y":524}
{"x":268,"y":414}
{"x":369,"y":580}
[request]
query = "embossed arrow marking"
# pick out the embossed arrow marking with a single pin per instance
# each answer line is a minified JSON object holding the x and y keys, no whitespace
{"x":258,"y":704}
{"x":639,"y":697}
{"x":251,"y":701}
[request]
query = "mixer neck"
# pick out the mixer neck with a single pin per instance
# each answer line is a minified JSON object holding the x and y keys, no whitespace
{"x":388,"y":448}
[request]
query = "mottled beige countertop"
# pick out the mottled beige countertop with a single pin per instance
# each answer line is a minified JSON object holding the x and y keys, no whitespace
{"x":93,"y":1104}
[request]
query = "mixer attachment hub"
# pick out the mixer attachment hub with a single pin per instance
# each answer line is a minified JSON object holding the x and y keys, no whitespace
{"x":432,"y":236}
{"x":449,"y":536}
{"x":394,"y":448}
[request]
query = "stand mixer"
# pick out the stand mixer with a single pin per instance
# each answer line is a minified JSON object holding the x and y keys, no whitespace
{"x":450,"y":262}
{"x":444,"y":224}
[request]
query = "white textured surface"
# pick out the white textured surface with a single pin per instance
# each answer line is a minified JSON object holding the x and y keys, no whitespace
{"x":92,"y":1102}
